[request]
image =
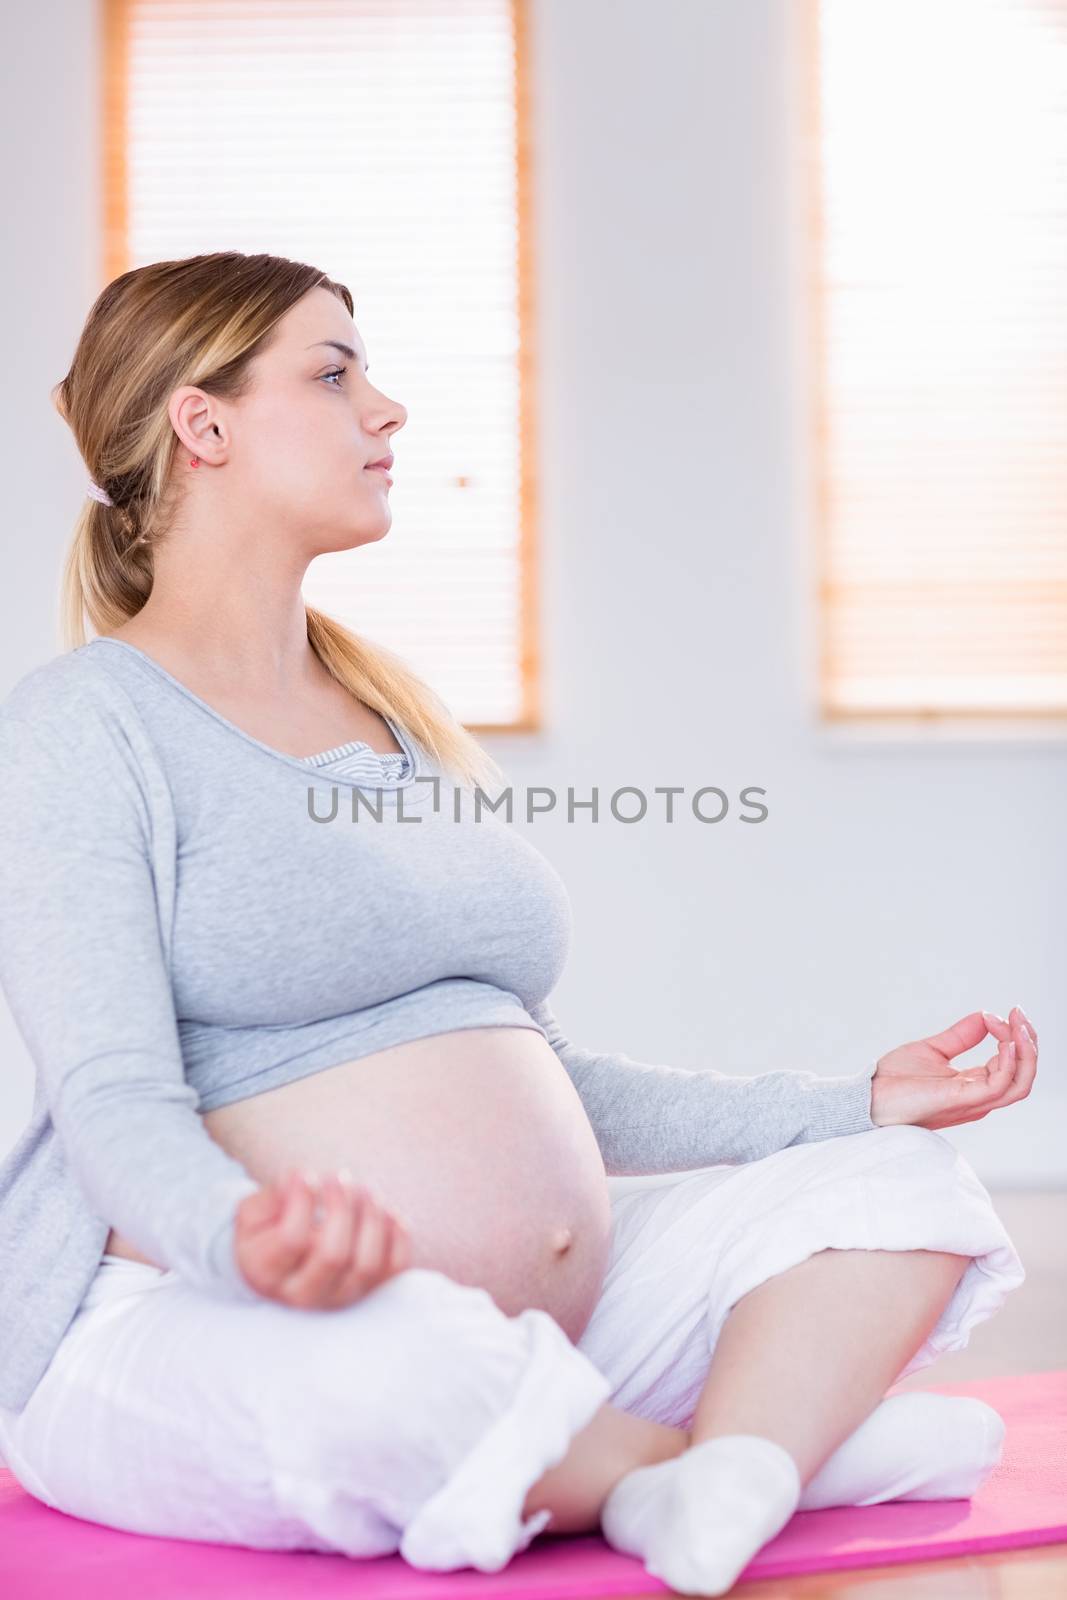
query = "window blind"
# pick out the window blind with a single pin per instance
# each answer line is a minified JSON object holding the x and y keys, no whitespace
{"x":939,"y":146}
{"x":385,"y":142}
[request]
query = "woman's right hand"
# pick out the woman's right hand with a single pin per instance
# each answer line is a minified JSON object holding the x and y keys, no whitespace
{"x":285,"y":1256}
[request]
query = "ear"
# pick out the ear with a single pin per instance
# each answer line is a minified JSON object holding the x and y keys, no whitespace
{"x":200,"y":424}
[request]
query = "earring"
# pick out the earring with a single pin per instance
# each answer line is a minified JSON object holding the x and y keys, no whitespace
{"x":195,"y":462}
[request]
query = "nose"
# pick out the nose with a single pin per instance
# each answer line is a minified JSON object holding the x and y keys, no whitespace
{"x":385,"y":416}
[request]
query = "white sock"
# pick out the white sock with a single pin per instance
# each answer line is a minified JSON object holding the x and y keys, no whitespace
{"x":913,"y":1446}
{"x":697,"y":1519}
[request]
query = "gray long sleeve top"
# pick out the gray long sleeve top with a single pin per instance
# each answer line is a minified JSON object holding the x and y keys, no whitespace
{"x":189,"y":917}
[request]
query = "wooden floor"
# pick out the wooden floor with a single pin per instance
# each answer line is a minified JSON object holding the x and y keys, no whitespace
{"x":1028,"y":1334}
{"x":1003,"y":1575}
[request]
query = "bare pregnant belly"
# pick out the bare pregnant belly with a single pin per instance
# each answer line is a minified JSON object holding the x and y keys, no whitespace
{"x":477,"y":1137}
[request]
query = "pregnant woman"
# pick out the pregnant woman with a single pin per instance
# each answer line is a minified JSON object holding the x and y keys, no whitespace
{"x":308,"y":1243}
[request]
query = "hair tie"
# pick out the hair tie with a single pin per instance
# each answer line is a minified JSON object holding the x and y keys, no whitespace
{"x":97,"y":493}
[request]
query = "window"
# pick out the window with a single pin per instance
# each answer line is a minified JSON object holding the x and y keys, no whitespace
{"x":939,"y":184}
{"x":384,"y":141}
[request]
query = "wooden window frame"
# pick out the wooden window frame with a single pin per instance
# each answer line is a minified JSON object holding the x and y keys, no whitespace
{"x":114,"y":32}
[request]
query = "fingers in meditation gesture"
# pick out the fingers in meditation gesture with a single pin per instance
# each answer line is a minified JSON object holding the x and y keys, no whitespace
{"x":319,"y":1245}
{"x":916,"y":1083}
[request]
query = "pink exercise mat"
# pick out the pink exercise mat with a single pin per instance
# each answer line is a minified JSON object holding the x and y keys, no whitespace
{"x":44,"y":1553}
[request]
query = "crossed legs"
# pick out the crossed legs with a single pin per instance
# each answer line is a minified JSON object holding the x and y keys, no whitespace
{"x":800,"y":1360}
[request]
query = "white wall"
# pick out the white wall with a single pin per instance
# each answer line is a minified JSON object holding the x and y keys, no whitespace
{"x":898,"y":883}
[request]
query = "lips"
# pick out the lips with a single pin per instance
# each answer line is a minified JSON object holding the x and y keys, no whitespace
{"x":385,"y":462}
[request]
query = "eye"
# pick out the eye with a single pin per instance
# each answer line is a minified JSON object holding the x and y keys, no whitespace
{"x":337,"y":372}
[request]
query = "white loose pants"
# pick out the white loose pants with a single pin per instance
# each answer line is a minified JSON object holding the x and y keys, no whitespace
{"x":418,"y":1419}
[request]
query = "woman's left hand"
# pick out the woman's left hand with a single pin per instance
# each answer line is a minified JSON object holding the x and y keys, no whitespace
{"x":916,"y":1083}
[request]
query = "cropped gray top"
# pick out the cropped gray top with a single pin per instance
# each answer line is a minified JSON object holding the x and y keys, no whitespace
{"x":189,"y":917}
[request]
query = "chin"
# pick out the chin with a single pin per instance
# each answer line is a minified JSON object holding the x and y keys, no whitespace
{"x":366,"y":535}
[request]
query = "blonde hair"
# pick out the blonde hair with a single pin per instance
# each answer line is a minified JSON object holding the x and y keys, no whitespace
{"x":202,"y":320}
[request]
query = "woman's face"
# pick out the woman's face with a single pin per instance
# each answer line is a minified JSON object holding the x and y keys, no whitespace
{"x":291,"y":458}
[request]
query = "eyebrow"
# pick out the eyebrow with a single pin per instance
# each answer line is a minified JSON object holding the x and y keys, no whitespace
{"x":345,"y":349}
